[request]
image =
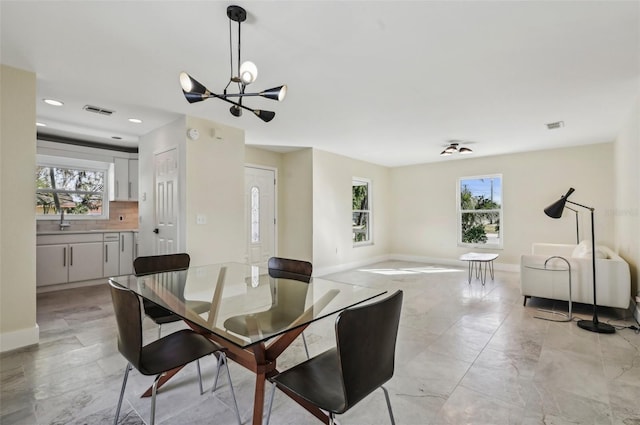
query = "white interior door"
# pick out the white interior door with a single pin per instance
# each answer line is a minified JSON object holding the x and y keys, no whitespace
{"x":260,"y":214}
{"x":166,"y":202}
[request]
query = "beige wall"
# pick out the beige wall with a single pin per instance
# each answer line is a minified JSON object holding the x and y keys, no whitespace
{"x":211,"y":184}
{"x":627,"y":195}
{"x":17,"y":216}
{"x":295,"y":196}
{"x":424,"y":220}
{"x":215,"y":189}
{"x":332,"y":218}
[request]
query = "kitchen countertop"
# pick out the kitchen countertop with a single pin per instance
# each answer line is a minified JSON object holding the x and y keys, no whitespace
{"x":77,"y":232}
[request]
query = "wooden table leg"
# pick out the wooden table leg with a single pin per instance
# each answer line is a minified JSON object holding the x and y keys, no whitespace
{"x":164,"y":378}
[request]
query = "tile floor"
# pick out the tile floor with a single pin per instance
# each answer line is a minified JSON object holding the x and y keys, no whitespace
{"x":466,"y":354}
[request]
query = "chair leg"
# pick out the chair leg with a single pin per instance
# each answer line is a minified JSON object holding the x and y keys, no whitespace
{"x":304,"y":341}
{"x":154,"y":391}
{"x":273,"y":393}
{"x":159,"y":330}
{"x":222,"y":360}
{"x":124,"y":384}
{"x":199,"y":376}
{"x":386,"y":396}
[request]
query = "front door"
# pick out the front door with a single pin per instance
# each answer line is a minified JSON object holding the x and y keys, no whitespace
{"x":260,"y":214}
{"x":166,"y":202}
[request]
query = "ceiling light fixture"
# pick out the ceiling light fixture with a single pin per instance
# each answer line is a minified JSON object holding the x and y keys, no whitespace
{"x":135,"y":120}
{"x":453,"y":148}
{"x":246,"y":73}
{"x":40,"y":124}
{"x":52,"y":102}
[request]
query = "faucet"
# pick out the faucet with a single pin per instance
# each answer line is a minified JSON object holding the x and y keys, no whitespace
{"x":63,"y":224}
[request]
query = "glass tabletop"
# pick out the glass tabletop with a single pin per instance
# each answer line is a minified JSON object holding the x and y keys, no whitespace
{"x":243,"y":303}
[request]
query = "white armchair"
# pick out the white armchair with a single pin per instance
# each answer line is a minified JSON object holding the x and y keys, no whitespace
{"x":613,"y":280}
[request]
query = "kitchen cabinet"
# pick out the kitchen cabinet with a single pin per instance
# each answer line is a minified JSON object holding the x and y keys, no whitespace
{"x":125,"y":180}
{"x":84,"y":261}
{"x":126,"y":252}
{"x":120,"y":247}
{"x":111,"y":264}
{"x":68,"y":258}
{"x":52,"y":264}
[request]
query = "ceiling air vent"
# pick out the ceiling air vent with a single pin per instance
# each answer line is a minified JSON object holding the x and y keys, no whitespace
{"x":98,"y":110}
{"x":554,"y":125}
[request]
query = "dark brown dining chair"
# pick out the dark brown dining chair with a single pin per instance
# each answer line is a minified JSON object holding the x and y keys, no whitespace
{"x":288,"y":301}
{"x":162,"y":355}
{"x":289,"y":268}
{"x":156,"y":264}
{"x":361,"y":362}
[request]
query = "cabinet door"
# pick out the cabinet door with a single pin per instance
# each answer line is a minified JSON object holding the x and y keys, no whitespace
{"x":133,"y":179}
{"x":51,"y":264}
{"x":85,"y":261}
{"x":126,"y":253}
{"x":111,"y":259}
{"x":121,"y":179}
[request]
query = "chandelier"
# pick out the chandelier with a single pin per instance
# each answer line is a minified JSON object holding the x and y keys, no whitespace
{"x":454,"y":148}
{"x":244,"y":74}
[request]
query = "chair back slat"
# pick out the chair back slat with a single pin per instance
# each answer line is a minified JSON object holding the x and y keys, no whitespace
{"x":126,"y":306}
{"x":160,"y":263}
{"x":366,"y":343}
{"x":288,"y":268}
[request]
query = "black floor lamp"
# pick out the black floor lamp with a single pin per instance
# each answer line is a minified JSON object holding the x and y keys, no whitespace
{"x":555,"y":211}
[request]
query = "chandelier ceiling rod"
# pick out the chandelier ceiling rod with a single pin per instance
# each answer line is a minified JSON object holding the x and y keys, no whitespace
{"x":194,"y":91}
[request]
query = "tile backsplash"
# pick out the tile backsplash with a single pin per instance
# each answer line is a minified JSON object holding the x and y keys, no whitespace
{"x":127,"y":210}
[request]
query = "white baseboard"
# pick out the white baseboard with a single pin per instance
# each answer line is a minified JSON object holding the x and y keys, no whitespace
{"x":18,"y":339}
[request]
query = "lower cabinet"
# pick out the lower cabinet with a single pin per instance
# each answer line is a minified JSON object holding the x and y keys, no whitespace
{"x":68,"y":258}
{"x":52,"y":264}
{"x":84,"y":261}
{"x":74,"y":257}
{"x":120,"y":247}
{"x":111,"y":256}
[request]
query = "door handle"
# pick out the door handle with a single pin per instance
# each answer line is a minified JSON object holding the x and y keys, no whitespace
{"x":106,"y":253}
{"x":122,"y":243}
{"x":156,"y":231}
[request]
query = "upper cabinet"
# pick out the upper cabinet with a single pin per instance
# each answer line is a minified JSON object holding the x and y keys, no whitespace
{"x":125,"y":180}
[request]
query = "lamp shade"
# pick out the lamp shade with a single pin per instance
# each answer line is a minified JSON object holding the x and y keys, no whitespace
{"x":276,"y":93}
{"x":193,"y":90}
{"x":265,"y":116}
{"x":555,"y":210}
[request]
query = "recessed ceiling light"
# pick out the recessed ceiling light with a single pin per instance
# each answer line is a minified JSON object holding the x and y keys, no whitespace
{"x":40,"y":124}
{"x":52,"y":102}
{"x":135,"y":120}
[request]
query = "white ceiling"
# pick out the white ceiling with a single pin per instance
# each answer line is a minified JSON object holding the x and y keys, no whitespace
{"x":389,"y":82}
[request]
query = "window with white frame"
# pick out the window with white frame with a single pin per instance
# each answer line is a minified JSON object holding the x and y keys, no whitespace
{"x":480,"y":211}
{"x":361,"y":210}
{"x":77,"y":187}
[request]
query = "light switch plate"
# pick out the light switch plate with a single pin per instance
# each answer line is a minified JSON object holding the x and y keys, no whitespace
{"x":201,"y":219}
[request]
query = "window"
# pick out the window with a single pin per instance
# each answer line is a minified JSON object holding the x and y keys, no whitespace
{"x":255,"y":215}
{"x":480,"y":211}
{"x":361,"y":214}
{"x":77,"y":187}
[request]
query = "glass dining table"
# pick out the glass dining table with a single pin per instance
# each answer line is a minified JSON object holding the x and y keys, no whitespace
{"x":254,"y":315}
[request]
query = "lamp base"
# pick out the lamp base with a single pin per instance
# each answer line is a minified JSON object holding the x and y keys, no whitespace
{"x":598,"y":327}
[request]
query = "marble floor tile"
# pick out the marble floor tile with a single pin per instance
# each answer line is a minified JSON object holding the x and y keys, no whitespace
{"x":466,"y":354}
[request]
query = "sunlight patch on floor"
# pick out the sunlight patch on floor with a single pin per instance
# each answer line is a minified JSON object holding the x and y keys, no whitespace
{"x":412,"y":270}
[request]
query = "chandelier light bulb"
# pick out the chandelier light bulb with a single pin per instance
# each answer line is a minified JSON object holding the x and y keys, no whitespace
{"x":248,"y":72}
{"x":185,"y":82}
